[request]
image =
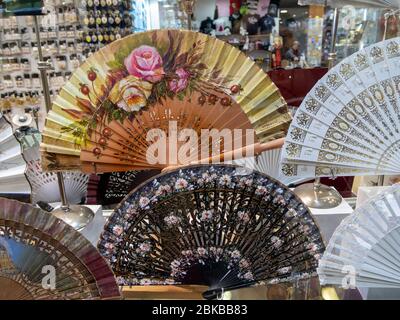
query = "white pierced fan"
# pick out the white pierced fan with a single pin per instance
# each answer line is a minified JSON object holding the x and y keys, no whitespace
{"x":349,"y":122}
{"x":45,"y":184}
{"x":364,"y":251}
{"x":268,"y":162}
{"x":12,"y":164}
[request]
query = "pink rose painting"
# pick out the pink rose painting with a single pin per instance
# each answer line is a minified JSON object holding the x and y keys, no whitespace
{"x":180,"y":83}
{"x":169,"y":66}
{"x":145,"y":63}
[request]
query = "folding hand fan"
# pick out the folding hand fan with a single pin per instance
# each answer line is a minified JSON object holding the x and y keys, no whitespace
{"x":32,"y":243}
{"x":12,"y":164}
{"x":214,"y":226}
{"x":349,"y":123}
{"x":28,"y":137}
{"x":102,"y":119}
{"x":115,"y":186}
{"x":364,"y":249}
{"x":45,"y":184}
{"x":268,"y":162}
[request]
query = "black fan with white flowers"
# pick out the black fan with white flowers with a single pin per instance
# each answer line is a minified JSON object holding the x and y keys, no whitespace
{"x":115,"y":186}
{"x":214,"y":226}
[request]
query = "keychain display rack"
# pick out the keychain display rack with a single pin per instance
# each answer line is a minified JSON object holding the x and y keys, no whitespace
{"x":61,"y":34}
{"x":104,"y":21}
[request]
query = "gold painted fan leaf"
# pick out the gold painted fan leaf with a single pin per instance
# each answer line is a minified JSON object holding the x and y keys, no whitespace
{"x":146,"y":80}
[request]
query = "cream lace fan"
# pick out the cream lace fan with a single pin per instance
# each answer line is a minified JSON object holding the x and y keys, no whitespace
{"x":364,"y":251}
{"x":349,"y":123}
{"x":102,"y":119}
{"x":31,"y":241}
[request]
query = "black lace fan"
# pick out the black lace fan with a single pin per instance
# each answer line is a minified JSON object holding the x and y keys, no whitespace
{"x":115,"y":186}
{"x":35,"y":246}
{"x":211,"y":225}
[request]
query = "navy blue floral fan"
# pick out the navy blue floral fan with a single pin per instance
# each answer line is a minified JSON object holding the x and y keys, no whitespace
{"x":219,"y":226}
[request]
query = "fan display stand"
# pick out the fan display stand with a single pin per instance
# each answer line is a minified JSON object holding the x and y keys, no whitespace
{"x":317,"y":195}
{"x":77,"y":216}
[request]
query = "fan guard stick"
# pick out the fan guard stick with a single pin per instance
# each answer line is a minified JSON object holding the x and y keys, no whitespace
{"x":239,"y":153}
{"x":43,"y":66}
{"x":75,"y":215}
{"x":188,"y":6}
{"x":332,"y":53}
{"x":315,"y":194}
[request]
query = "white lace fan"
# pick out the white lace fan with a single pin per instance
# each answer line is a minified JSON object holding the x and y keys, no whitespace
{"x":268,"y":162}
{"x":364,"y":250}
{"x":45,"y":184}
{"x":349,"y":122}
{"x":12,"y":164}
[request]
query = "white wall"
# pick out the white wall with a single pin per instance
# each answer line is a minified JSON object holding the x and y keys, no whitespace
{"x":204,"y":9}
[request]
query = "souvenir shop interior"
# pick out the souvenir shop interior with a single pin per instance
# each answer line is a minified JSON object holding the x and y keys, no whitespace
{"x":200,"y":149}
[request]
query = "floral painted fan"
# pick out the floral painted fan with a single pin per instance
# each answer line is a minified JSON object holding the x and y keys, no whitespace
{"x":166,"y":80}
{"x":364,"y":249}
{"x":34,"y":245}
{"x":349,"y":123}
{"x":115,"y":186}
{"x":214,"y":226}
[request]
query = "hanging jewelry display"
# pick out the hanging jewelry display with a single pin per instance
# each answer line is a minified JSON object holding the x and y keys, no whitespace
{"x":61,"y":45}
{"x":106,"y":21}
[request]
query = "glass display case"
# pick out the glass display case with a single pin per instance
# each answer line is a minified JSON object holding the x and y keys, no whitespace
{"x":358,"y":28}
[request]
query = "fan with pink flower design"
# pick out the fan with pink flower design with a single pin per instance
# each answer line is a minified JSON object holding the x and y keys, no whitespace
{"x":213,"y":226}
{"x":105,"y":117}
